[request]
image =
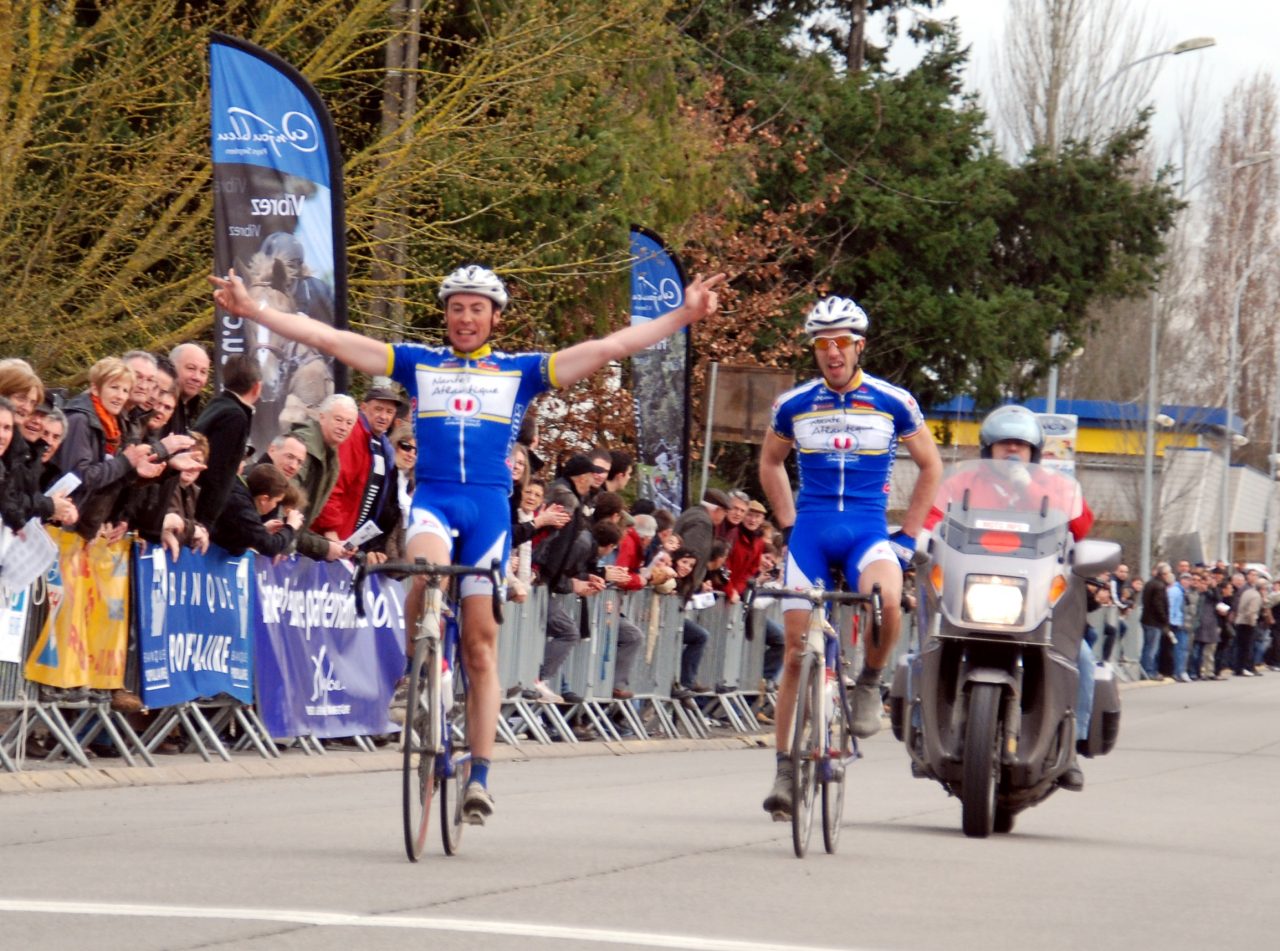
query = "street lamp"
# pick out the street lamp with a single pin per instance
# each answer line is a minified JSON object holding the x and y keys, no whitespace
{"x":1229,"y":438}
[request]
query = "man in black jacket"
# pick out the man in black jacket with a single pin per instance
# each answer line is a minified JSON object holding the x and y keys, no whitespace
{"x":1155,"y":619}
{"x":225,"y":423}
{"x":243,"y":523}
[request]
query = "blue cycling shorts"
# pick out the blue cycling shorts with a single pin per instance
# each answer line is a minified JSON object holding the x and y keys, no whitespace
{"x":474,"y":519}
{"x":850,"y":540}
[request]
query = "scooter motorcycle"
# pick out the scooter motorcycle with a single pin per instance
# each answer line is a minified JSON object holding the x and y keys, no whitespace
{"x":985,"y":701}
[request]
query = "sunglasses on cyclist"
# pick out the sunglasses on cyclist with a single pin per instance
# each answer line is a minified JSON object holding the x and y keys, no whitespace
{"x":842,"y":341}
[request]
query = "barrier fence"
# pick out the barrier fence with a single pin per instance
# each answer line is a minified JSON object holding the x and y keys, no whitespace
{"x":245,"y":652}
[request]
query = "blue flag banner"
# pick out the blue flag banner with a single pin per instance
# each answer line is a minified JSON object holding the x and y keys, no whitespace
{"x":323,"y":671}
{"x":194,"y":632}
{"x":660,"y":374}
{"x":278,"y":220}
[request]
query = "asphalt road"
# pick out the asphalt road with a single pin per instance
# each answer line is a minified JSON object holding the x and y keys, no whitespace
{"x":1173,"y":844}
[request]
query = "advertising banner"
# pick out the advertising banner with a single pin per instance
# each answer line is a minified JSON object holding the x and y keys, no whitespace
{"x":278,"y":220}
{"x":660,"y":375}
{"x":13,"y":624}
{"x":1061,"y":431}
{"x":194,"y":628}
{"x":322,"y":671}
{"x":85,"y":637}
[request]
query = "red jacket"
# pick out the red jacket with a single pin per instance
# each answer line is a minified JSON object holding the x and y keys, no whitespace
{"x":986,"y":492}
{"x":744,"y":559}
{"x":631,"y":556}
{"x":342,"y":509}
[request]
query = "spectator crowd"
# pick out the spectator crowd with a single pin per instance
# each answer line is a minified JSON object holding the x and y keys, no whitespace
{"x":143,"y":452}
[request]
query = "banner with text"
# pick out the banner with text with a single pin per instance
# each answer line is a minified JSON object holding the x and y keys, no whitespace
{"x":85,"y":637}
{"x":278,"y":220}
{"x":660,"y":374}
{"x":194,"y":628}
{"x":321,"y":670}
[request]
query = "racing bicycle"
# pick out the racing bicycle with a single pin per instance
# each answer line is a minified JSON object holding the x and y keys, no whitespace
{"x":822,"y":743}
{"x":433,"y":767}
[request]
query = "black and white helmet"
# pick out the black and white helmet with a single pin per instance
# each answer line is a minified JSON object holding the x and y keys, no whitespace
{"x":836,"y":313}
{"x":474,"y":279}
{"x":1011,"y":422}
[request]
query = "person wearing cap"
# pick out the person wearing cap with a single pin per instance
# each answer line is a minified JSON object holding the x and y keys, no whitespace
{"x":225,"y":423}
{"x":845,"y":427}
{"x":697,"y":526}
{"x":366,"y":482}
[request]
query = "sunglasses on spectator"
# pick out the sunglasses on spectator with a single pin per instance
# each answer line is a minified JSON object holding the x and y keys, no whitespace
{"x":841,"y":341}
{"x":407,"y":446}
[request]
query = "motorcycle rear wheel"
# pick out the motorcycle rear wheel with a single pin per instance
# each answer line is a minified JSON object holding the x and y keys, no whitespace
{"x":981,"y":774}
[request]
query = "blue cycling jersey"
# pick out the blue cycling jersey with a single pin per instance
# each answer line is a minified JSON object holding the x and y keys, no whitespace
{"x":468,"y":407}
{"x":845,"y":442}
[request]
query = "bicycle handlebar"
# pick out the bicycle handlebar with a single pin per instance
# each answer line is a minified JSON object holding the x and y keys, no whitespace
{"x":420,"y":566}
{"x":818,"y":596}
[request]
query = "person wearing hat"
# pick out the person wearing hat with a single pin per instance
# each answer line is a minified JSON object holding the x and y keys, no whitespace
{"x":696,"y":527}
{"x":366,"y":471}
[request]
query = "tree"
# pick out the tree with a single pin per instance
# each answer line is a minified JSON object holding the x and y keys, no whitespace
{"x":1241,"y":239}
{"x":1064,"y":72}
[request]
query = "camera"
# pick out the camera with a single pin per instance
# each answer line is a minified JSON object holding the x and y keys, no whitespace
{"x":723,"y":574}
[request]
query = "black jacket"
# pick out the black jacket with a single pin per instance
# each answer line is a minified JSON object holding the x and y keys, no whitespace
{"x":21,"y":498}
{"x":102,"y":477}
{"x":239,"y":527}
{"x":225,"y":423}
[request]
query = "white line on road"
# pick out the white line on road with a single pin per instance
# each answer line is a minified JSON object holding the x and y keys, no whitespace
{"x":327,"y":919}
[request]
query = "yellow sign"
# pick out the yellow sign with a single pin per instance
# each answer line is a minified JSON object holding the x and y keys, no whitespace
{"x":86,"y":635}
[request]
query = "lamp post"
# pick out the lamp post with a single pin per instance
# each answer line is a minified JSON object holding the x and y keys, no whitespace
{"x":1224,"y":534}
{"x":1153,"y":370}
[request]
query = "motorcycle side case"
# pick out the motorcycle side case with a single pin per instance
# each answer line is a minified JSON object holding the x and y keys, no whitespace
{"x":1104,"y":724}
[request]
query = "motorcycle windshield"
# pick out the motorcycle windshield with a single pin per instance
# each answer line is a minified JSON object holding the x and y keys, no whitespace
{"x":1005,"y":507}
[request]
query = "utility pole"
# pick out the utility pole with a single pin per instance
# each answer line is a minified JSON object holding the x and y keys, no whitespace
{"x":854,"y":55}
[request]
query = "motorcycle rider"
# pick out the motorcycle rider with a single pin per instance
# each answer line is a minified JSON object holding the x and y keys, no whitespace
{"x":1014,"y":433}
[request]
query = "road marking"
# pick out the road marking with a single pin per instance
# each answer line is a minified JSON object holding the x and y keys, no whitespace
{"x":326,"y":919}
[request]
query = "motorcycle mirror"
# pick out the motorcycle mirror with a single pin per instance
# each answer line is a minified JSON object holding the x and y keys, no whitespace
{"x":1093,"y":556}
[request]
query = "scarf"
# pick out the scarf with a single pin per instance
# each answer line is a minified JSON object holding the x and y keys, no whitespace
{"x":110,"y":425}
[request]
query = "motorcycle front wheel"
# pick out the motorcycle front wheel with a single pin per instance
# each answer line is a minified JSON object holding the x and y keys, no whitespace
{"x":981,"y":774}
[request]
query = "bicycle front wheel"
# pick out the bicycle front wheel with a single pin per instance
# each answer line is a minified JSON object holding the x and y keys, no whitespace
{"x":839,"y":752}
{"x":804,"y":744}
{"x":421,"y":741}
{"x":451,"y":792}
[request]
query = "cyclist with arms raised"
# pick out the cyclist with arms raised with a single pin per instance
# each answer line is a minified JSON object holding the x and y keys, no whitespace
{"x":470,"y":400}
{"x":845,"y":427}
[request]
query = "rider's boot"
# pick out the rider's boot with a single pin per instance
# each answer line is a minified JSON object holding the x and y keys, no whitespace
{"x":778,"y":802}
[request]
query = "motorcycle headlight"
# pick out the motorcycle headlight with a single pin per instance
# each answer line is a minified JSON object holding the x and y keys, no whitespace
{"x":994,"y":599}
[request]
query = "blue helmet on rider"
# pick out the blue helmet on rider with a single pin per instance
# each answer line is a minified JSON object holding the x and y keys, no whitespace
{"x":836,"y":313}
{"x":474,"y":279}
{"x":1011,"y":422}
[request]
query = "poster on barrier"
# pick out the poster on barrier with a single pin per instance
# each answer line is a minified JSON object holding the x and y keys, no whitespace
{"x":194,"y":632}
{"x":85,"y":637}
{"x":13,"y":624}
{"x":321,"y":670}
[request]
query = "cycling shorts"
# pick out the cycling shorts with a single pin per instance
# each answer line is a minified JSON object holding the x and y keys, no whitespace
{"x":474,"y":519}
{"x":851,"y":539}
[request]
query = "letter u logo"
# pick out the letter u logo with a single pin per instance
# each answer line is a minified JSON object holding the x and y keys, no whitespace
{"x":464,"y":406}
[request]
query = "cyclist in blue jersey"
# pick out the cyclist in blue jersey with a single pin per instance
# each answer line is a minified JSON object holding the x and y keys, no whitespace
{"x":469,"y":403}
{"x":845,"y":427}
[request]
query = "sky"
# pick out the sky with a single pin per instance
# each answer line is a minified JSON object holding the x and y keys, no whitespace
{"x":1245,"y":32}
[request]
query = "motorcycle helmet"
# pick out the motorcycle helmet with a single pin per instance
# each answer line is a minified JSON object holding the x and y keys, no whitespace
{"x":1011,"y":422}
{"x":836,"y":313}
{"x":474,"y":279}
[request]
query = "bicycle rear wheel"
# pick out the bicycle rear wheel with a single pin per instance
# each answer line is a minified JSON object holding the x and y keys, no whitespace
{"x":839,"y":751}
{"x":804,"y":743}
{"x":421,"y":740}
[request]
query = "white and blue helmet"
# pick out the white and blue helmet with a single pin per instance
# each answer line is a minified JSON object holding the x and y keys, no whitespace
{"x":836,"y":313}
{"x":474,"y":279}
{"x":1011,"y":422}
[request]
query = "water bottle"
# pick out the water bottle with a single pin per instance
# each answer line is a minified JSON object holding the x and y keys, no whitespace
{"x":446,"y":685}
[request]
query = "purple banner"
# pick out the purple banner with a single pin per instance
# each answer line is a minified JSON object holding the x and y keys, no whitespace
{"x":322,"y":671}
